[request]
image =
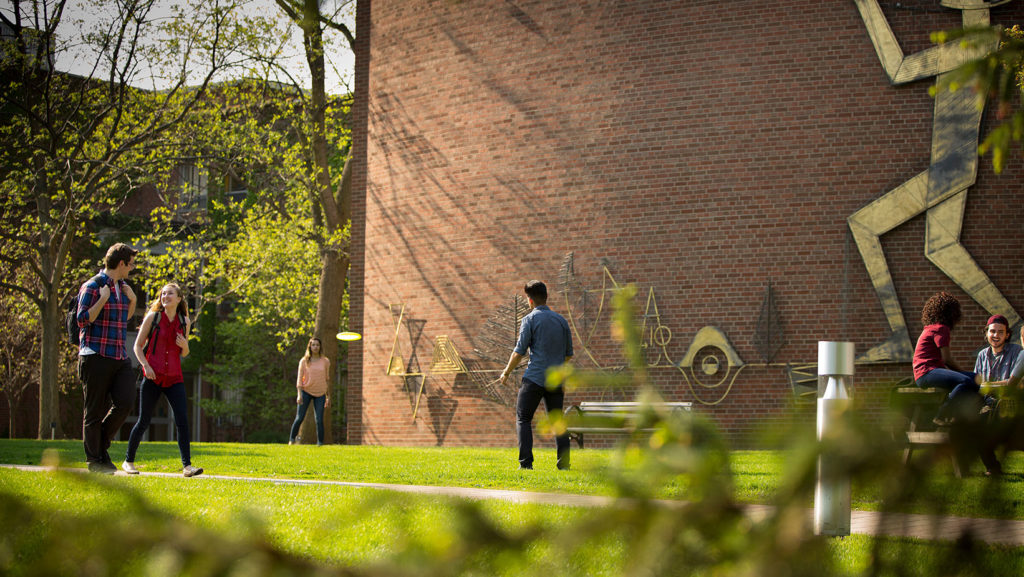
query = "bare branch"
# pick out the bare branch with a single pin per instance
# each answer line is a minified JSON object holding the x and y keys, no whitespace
{"x":29,"y":294}
{"x":341,"y":27}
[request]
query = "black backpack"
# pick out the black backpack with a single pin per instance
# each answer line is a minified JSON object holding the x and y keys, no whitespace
{"x":71,"y":321}
{"x":71,"y":318}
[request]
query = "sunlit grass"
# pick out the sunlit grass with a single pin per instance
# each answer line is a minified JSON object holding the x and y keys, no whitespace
{"x":337,"y":525}
{"x":757,"y":475}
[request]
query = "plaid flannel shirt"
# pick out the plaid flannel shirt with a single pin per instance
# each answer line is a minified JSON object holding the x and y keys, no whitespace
{"x":107,"y":334}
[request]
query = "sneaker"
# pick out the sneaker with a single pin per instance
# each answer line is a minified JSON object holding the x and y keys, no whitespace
{"x":102,"y":468}
{"x":190,"y":471}
{"x":129,"y":467}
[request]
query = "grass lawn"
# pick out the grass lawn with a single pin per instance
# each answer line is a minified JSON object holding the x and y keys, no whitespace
{"x":758,"y":476}
{"x":331,"y":526}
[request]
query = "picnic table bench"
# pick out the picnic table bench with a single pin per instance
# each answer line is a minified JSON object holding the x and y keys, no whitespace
{"x":919,"y":406}
{"x":613,"y":417}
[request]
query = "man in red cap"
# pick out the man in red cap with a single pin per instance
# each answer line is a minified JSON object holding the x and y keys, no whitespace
{"x":996,"y":361}
{"x":994,"y":366}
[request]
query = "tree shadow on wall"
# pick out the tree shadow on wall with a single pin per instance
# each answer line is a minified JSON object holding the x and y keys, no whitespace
{"x":442,"y":409}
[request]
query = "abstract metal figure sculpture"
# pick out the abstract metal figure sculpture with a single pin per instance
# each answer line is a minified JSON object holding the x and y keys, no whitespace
{"x":940,"y":191}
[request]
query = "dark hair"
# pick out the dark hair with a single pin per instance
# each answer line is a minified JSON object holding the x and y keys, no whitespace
{"x":941,"y":309}
{"x":537,"y":291}
{"x":119,"y":253}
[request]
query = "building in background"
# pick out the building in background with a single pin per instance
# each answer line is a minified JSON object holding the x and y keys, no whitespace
{"x":711,"y":154}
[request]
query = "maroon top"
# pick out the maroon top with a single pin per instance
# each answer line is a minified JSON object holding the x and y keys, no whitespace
{"x":927,"y":355}
{"x":164,"y":355}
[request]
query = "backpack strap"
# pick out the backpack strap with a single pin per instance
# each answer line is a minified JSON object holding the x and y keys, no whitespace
{"x":153,"y":331}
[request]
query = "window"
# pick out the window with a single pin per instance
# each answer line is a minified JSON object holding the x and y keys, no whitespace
{"x":191,"y":183}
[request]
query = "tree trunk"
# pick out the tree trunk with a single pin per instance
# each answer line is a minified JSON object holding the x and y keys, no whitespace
{"x":333,"y":258}
{"x":49,"y":398}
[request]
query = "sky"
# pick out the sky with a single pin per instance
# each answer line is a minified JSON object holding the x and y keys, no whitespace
{"x":83,"y":15}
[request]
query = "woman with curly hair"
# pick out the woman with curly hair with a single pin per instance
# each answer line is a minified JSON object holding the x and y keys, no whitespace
{"x":934,"y":366}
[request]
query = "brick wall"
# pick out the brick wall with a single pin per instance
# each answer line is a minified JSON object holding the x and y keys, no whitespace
{"x":701,"y":150}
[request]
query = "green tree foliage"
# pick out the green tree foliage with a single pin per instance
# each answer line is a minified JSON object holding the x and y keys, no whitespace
{"x":259,"y":345}
{"x":254,"y":380}
{"x":19,"y":339}
{"x":289,"y":144}
{"x":73,"y":147}
{"x":261,"y":256}
{"x":997,"y":75}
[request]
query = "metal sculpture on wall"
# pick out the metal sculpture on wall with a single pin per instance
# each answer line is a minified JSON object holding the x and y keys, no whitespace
{"x":446,"y":357}
{"x":710,"y":366}
{"x":396,"y":361}
{"x":702,"y":367}
{"x":409,"y":372}
{"x":940,"y":191}
{"x":445,"y":360}
{"x":494,"y":344}
{"x":768,"y":335}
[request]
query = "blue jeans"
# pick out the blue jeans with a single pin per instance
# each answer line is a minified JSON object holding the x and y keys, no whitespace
{"x":963,"y":400}
{"x":318,"y":411}
{"x":530,"y":395}
{"x":148,"y":397}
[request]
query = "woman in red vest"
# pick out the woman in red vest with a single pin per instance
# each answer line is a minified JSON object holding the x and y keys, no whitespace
{"x":160,"y":346}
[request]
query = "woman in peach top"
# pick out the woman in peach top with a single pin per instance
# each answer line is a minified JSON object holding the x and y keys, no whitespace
{"x":312,"y":387}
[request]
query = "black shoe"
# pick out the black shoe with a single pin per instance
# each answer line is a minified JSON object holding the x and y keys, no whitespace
{"x":525,"y":467}
{"x":102,"y":468}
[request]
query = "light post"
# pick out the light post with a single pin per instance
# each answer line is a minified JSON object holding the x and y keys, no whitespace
{"x":832,"y":492}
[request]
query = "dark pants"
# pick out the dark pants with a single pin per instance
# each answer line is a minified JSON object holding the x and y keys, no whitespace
{"x":318,"y":411}
{"x":148,"y":398}
{"x":964,"y":400}
{"x":109,"y":387}
{"x":530,"y":395}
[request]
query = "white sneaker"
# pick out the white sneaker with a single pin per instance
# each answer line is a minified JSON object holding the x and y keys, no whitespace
{"x":190,"y":471}
{"x":129,"y":467}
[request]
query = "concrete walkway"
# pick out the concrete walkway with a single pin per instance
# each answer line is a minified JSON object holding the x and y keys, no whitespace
{"x":932,"y":527}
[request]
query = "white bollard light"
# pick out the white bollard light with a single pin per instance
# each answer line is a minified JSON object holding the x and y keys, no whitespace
{"x":832,"y":492}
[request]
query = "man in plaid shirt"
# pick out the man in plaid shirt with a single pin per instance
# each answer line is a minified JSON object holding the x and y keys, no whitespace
{"x":105,"y":303}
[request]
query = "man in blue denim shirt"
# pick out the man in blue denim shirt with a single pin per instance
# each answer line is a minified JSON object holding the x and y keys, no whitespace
{"x":546,"y":335}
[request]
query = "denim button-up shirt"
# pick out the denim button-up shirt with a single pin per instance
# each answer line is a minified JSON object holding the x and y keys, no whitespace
{"x":546,"y":335}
